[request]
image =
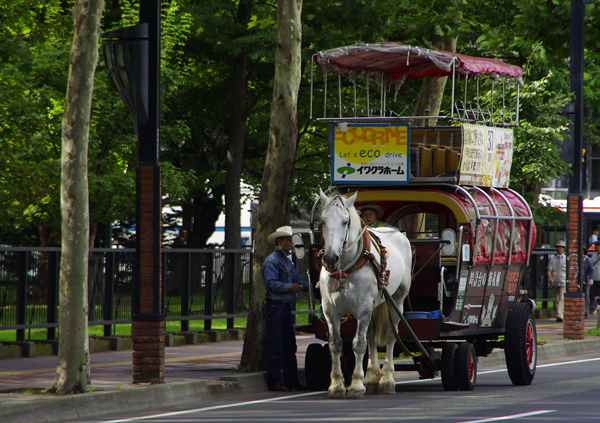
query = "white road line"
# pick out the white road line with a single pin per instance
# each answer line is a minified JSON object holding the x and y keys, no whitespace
{"x":268,"y":400}
{"x":512,"y":417}
{"x":216,"y":407}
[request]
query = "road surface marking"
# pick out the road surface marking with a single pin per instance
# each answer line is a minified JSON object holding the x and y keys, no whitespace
{"x":512,"y":417}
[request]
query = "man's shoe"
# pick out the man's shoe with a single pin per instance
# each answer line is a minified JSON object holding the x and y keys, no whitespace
{"x":558,"y":319}
{"x":298,"y":387}
{"x":279,"y":388}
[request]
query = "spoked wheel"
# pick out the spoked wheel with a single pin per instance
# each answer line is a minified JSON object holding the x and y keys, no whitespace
{"x":520,"y":350}
{"x":465,"y":367}
{"x":312,"y":371}
{"x":448,"y":372}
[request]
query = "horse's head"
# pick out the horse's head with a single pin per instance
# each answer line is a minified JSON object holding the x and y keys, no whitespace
{"x":336,"y":220}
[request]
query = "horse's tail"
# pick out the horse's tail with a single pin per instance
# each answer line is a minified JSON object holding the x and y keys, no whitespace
{"x":380,"y":323}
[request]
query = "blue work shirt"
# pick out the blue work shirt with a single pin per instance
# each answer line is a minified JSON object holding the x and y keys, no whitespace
{"x":279,"y":273}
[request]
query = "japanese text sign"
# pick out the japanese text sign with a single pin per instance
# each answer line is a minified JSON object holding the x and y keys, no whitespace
{"x":486,"y":156}
{"x":369,"y":153}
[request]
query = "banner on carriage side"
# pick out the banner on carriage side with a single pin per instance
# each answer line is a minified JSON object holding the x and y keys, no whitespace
{"x":486,"y":156}
{"x":370,"y":153}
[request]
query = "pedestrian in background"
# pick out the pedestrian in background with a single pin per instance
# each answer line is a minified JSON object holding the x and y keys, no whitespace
{"x":282,"y":283}
{"x":595,"y":288}
{"x":593,"y":237}
{"x":181,"y":239}
{"x":557,"y":279}
{"x":588,"y":278}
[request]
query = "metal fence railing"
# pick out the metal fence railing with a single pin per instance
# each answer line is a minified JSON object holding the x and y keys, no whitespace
{"x":198,"y":285}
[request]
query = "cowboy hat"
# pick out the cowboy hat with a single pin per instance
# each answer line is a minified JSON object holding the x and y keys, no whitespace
{"x":280,"y":232}
{"x":375,"y":207}
{"x":560,"y":243}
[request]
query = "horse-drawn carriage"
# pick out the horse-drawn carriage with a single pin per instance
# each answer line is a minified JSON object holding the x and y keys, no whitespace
{"x":445,"y":188}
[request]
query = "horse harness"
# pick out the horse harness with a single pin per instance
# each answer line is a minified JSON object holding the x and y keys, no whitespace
{"x":363,"y":257}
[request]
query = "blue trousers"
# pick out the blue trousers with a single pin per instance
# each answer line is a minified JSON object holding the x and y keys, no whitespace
{"x":281,"y":349}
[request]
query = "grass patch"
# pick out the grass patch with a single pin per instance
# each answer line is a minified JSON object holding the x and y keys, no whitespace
{"x":592,"y":332}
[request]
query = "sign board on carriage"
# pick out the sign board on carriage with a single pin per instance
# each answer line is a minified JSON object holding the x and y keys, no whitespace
{"x":370,"y":153}
{"x":486,"y":156}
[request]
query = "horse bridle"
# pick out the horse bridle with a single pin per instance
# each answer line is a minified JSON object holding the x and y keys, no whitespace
{"x":348,"y":231}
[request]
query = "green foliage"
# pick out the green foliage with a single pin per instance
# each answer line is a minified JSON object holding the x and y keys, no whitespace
{"x":200,"y":41}
{"x":542,"y":127}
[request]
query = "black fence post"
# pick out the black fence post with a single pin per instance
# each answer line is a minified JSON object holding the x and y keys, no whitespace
{"x":208,"y":289}
{"x":22,"y":293}
{"x":108,"y":310}
{"x":231,"y":272}
{"x":185,"y":292}
{"x":53,"y":277}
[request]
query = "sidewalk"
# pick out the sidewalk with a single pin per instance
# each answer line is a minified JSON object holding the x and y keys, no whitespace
{"x":192,"y":373}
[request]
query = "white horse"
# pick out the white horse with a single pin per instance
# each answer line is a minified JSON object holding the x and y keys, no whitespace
{"x":358,"y":294}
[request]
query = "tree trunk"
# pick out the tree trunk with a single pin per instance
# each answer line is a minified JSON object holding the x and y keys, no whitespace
{"x":432,"y":89}
{"x":73,"y":369}
{"x":278,"y":166}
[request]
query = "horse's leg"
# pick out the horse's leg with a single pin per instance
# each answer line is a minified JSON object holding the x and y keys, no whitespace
{"x":387,"y":384}
{"x":359,"y":345}
{"x":336,"y":388}
{"x":373,"y":370}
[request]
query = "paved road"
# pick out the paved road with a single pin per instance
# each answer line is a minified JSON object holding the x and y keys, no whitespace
{"x":562,"y":391}
{"x":193,"y":374}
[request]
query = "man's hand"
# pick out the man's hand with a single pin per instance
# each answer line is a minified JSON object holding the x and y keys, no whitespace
{"x":296,"y":287}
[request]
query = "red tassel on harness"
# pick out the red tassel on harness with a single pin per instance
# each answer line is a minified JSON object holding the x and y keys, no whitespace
{"x":338,"y":274}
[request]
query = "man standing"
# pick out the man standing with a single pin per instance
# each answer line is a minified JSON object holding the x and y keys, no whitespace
{"x":588,"y":278}
{"x":557,"y":278}
{"x":282,"y":283}
{"x":595,"y":288}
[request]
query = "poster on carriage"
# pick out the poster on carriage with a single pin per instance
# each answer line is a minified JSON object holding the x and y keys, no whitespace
{"x":369,"y":153}
{"x":486,"y":156}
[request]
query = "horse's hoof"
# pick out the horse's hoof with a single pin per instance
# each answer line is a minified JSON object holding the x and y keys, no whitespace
{"x":371,"y":388}
{"x":387,"y":388}
{"x":337,"y":392}
{"x":355,"y":394}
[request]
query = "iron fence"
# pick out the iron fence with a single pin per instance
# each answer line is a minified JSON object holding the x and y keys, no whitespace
{"x":198,"y":285}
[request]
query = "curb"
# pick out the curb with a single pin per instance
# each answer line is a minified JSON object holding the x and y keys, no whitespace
{"x":131,"y":398}
{"x":548,"y":351}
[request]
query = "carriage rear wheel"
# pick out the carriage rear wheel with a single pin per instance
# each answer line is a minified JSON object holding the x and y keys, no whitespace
{"x":520,"y":350}
{"x":466,"y":367}
{"x":448,"y":362}
{"x":325,"y":367}
{"x":312,"y":371}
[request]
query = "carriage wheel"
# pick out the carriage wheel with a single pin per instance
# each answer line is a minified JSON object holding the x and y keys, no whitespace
{"x":466,"y":367}
{"x":312,"y":369}
{"x":520,"y":350}
{"x":448,"y":362}
{"x":325,"y":368}
{"x":347,"y":362}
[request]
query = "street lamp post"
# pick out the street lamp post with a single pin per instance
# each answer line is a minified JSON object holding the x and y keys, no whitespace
{"x":574,"y":300}
{"x":132,"y":57}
